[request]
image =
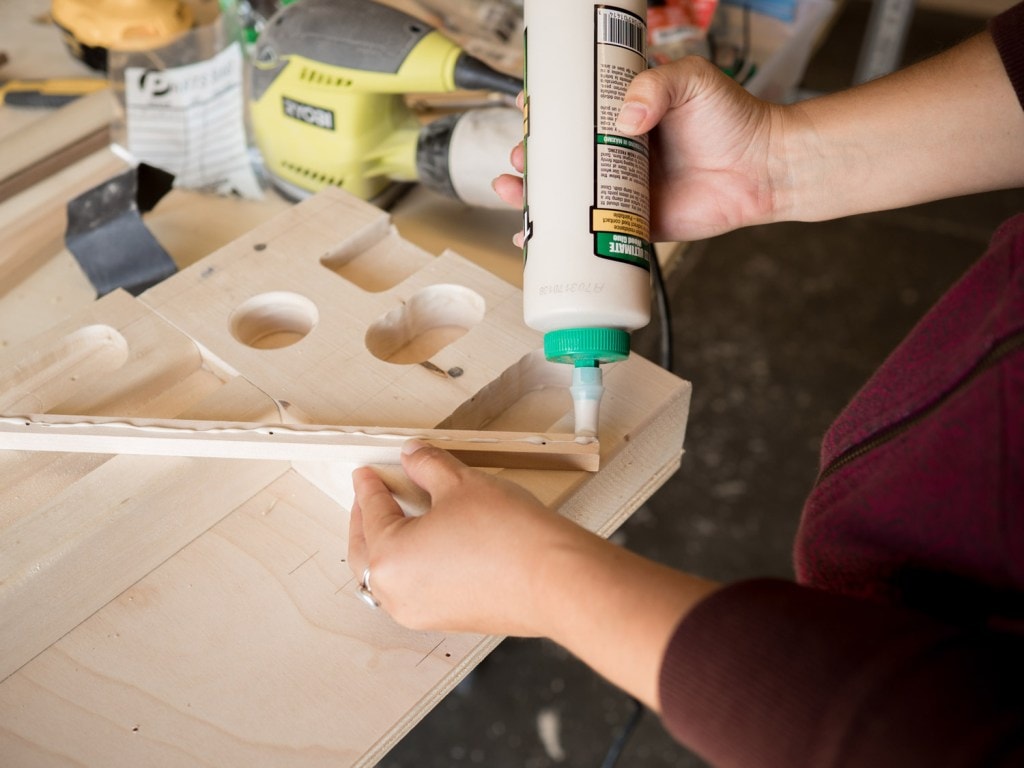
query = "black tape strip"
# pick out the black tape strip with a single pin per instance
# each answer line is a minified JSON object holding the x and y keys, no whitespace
{"x":108,"y":238}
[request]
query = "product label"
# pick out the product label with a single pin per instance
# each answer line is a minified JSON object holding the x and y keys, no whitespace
{"x":190,"y":121}
{"x":307,"y":113}
{"x":620,"y":214}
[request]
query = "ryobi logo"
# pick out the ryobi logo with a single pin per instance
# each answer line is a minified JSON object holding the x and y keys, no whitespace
{"x":307,"y":113}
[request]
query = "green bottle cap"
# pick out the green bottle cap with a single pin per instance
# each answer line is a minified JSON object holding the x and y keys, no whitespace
{"x":586,"y":346}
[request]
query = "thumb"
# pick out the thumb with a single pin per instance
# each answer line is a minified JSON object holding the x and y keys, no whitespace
{"x":654,"y":91}
{"x":644,"y":104}
{"x":375,"y":509}
{"x":434,"y":470}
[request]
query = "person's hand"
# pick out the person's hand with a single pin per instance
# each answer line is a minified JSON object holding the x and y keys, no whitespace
{"x":509,"y":186}
{"x":713,"y":151}
{"x":472,"y":563}
{"x":489,"y":558}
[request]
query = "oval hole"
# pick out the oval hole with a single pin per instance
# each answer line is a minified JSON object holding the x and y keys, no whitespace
{"x":430,"y":321}
{"x":274,"y":320}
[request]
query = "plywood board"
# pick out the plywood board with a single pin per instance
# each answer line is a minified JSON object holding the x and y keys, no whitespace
{"x":77,"y":529}
{"x":246,"y":644}
{"x":371,"y":316}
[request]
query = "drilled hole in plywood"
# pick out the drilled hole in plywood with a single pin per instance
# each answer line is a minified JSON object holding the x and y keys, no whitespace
{"x":274,"y":320}
{"x":431,"y":320}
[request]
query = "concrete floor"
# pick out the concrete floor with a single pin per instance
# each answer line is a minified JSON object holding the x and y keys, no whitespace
{"x":776,"y":327}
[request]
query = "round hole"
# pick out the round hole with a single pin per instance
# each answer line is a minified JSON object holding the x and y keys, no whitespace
{"x":274,"y":320}
{"x":431,"y":320}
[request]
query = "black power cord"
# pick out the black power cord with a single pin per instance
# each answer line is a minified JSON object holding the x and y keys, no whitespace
{"x":664,"y":313}
{"x":615,"y":751}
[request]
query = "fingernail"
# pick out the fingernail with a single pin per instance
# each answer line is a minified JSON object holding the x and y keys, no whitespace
{"x":411,"y":446}
{"x":631,"y":116}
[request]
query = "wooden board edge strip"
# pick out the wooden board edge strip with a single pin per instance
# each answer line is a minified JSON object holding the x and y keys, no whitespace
{"x":62,"y":158}
{"x":290,"y":442}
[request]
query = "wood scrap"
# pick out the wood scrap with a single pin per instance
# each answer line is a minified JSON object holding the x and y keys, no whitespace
{"x":66,"y":135}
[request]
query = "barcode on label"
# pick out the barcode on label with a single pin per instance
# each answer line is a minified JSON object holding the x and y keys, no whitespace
{"x":623,"y":29}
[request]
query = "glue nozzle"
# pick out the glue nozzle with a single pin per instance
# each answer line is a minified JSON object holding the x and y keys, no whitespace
{"x":586,"y":390}
{"x":586,"y":349}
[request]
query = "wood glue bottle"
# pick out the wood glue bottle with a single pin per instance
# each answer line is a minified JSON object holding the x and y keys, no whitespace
{"x":587,"y":250}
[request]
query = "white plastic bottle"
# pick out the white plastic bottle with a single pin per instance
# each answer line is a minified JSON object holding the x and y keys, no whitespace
{"x":587,"y":252}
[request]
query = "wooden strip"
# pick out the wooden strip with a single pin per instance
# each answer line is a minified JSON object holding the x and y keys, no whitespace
{"x":281,"y":442}
{"x":69,"y":133}
{"x":60,"y":159}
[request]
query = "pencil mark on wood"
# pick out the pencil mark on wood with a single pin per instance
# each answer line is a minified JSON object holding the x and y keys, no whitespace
{"x":431,"y":653}
{"x":293,"y":570}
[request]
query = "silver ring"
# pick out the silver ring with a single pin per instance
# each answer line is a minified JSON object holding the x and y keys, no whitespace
{"x":364,"y":590}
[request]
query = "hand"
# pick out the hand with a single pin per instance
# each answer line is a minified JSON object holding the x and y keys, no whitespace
{"x":489,"y":558}
{"x":711,"y":156}
{"x":713,"y":149}
{"x":471,"y":563}
{"x":509,"y":187}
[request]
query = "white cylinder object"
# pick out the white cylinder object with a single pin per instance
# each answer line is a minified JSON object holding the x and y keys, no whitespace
{"x":480,"y":144}
{"x":587,"y":246}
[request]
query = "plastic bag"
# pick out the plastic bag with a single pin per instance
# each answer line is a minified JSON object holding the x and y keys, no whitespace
{"x":184,"y":109}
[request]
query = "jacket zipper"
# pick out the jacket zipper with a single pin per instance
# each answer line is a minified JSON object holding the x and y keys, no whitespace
{"x":1000,"y":350}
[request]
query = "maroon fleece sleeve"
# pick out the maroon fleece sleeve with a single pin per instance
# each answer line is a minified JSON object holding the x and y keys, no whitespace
{"x":770,"y":674}
{"x":1007,"y":30}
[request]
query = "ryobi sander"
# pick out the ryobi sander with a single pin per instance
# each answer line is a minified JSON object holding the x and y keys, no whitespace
{"x":329,"y":85}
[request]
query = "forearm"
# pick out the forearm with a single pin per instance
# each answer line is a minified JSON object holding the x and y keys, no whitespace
{"x":615,"y":610}
{"x":949,"y":126}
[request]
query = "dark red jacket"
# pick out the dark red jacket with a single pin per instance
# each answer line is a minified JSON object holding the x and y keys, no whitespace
{"x":903,"y":642}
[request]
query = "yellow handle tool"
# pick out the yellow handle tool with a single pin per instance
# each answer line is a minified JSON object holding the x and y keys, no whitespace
{"x":53,"y":92}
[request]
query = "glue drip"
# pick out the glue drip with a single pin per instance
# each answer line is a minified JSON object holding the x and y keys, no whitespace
{"x":586,"y":389}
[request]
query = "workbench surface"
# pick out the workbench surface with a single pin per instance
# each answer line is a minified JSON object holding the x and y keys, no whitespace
{"x":176,"y":611}
{"x":185,"y":611}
